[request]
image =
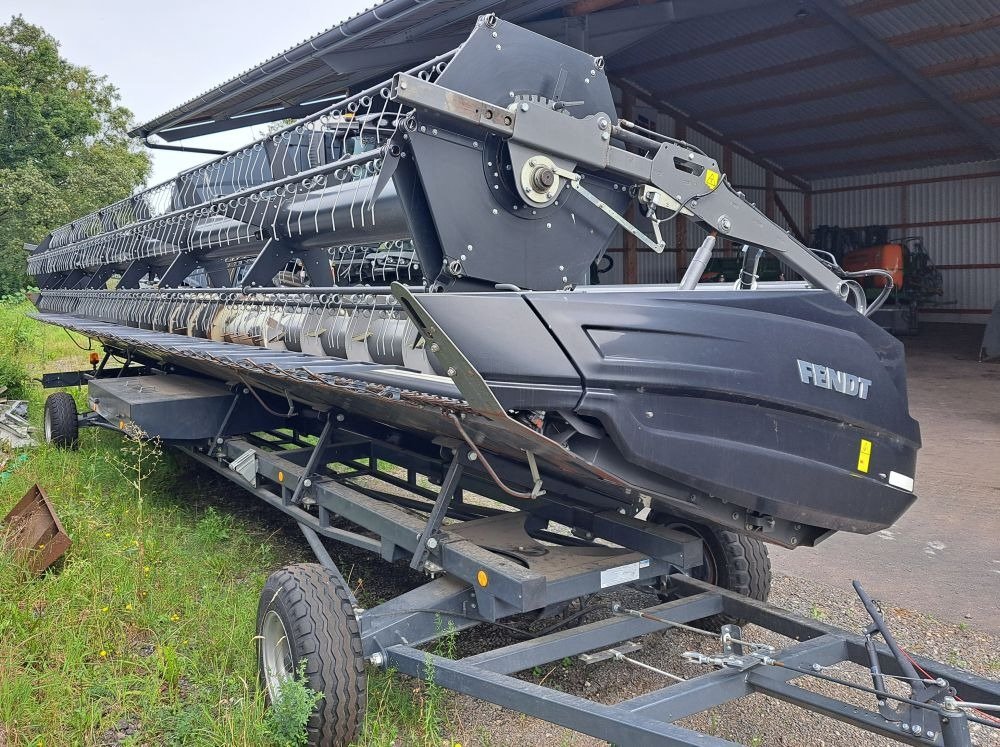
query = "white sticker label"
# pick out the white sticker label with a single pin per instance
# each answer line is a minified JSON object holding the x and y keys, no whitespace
{"x":901,"y":481}
{"x":620,"y":575}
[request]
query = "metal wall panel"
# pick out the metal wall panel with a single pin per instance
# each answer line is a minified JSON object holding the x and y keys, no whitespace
{"x":908,"y":206}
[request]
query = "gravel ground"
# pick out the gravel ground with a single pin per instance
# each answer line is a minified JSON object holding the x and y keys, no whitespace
{"x":756,"y":720}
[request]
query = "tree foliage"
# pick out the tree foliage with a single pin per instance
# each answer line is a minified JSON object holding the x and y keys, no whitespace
{"x":64,"y":148}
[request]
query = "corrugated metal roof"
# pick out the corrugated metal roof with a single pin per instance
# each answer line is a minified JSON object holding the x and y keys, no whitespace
{"x":957,"y":49}
{"x":762,"y":69}
{"x":257,"y":88}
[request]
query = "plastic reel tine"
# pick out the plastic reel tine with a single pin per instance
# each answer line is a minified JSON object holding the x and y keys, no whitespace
{"x":293,"y":190}
{"x":380,"y":121}
{"x":336,"y":199}
{"x":247,"y":215}
{"x":252,"y":202}
{"x":356,"y":177}
{"x":287,"y":156}
{"x":279,"y":196}
{"x":319,"y":181}
{"x":296,"y":189}
{"x":338,"y":119}
{"x":248,"y":162}
{"x":315,"y":143}
{"x":368,"y":202}
{"x":311,"y":187}
{"x":239,"y":214}
{"x":325,"y":300}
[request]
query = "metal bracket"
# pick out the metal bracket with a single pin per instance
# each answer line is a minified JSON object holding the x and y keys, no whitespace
{"x":245,"y":465}
{"x":427,"y":539}
{"x":913,"y":718}
{"x":217,"y":441}
{"x":468,"y":380}
{"x":732,"y":639}
{"x":629,"y":647}
{"x":748,"y":268}
{"x":314,"y":457}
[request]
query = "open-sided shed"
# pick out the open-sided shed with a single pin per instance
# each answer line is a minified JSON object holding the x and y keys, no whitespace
{"x":826,"y":112}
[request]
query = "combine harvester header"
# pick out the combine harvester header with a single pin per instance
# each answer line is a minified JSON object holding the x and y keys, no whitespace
{"x":406,"y":277}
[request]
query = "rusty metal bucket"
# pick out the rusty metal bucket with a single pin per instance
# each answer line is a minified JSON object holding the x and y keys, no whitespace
{"x":33,"y":533}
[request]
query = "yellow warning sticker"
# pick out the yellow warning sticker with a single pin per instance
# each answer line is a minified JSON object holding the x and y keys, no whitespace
{"x":864,"y":455}
{"x":711,"y":178}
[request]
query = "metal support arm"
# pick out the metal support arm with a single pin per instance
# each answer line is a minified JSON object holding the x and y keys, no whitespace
{"x":664,"y":173}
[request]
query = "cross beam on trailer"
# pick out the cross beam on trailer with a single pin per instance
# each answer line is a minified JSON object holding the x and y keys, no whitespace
{"x":552,"y":575}
{"x":489,"y":564}
{"x":646,"y":719}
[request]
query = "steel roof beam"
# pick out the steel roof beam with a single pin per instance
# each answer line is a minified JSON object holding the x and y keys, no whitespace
{"x":839,"y":55}
{"x":211,"y":126}
{"x":961,"y":65}
{"x":748,"y":76}
{"x":706,"y":50}
{"x":583,"y":7}
{"x":937,"y":33}
{"x":853,"y":142}
{"x":870,"y":7}
{"x":947,"y":68}
{"x":818,"y":170}
{"x":827,"y":121}
{"x":978,"y":94}
{"x":962,"y":116}
{"x":816,"y":94}
{"x":773,"y":32}
{"x":861,"y":115}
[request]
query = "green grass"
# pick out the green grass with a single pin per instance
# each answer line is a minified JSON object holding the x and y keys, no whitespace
{"x":148,"y":623}
{"x":146,"y":628}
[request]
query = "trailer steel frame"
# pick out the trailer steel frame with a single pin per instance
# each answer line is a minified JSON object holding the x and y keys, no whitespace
{"x":488,"y":564}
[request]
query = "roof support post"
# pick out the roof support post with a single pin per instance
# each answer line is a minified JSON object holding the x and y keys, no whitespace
{"x":789,"y":219}
{"x":807,"y":216}
{"x":630,"y":247}
{"x":680,"y":226}
{"x":769,"y":194}
{"x":729,"y":247}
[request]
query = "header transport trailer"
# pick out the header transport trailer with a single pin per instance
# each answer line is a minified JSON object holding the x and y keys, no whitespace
{"x":376,"y":317}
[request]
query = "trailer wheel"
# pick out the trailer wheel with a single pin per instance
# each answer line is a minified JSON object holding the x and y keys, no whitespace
{"x":61,"y":425}
{"x":305,"y":615}
{"x":733,"y":561}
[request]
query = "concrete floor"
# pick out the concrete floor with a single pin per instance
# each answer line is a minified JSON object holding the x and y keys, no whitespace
{"x":943,"y":556}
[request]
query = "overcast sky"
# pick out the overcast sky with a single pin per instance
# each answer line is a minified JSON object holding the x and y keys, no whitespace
{"x":161,"y":55}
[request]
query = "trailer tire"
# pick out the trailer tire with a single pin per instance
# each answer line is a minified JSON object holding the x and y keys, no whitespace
{"x":62,"y":428}
{"x":305,"y":614}
{"x":734,"y":562}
